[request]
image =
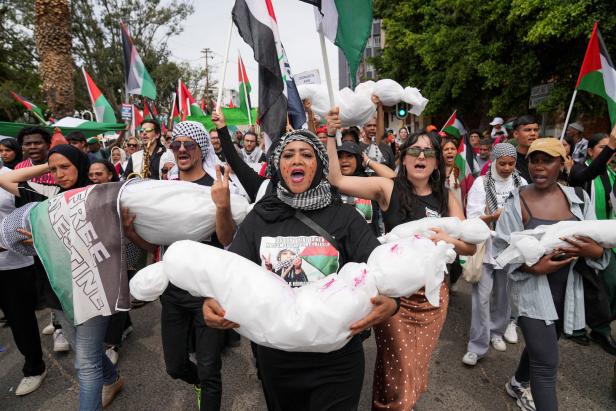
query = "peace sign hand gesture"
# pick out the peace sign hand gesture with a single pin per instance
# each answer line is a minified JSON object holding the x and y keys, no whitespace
{"x":221,"y":195}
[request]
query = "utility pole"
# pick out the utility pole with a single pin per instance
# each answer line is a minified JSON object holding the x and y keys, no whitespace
{"x":207,"y":53}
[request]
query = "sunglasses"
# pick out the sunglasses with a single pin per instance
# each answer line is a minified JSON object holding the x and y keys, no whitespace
{"x":416,"y":152}
{"x":132,"y":145}
{"x":147,"y":130}
{"x":188,"y":145}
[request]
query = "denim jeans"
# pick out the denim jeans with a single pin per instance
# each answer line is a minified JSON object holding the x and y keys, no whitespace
{"x":93,"y":367}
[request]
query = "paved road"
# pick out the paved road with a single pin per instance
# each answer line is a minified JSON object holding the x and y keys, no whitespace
{"x":584,"y":378}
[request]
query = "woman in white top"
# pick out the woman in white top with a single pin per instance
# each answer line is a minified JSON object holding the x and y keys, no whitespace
{"x":490,"y":301}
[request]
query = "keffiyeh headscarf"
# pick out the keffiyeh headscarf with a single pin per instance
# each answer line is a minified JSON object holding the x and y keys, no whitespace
{"x":199,"y":134}
{"x":498,"y":151}
{"x":319,"y":194}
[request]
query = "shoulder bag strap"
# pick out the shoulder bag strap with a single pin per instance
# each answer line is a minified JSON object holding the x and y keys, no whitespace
{"x":314,"y":226}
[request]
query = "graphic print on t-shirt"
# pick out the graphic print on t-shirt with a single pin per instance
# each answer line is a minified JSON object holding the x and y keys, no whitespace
{"x":299,"y":260}
{"x":363,"y":206}
{"x":431,"y":213}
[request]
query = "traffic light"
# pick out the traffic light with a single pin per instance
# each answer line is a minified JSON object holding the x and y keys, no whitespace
{"x":402,"y":110}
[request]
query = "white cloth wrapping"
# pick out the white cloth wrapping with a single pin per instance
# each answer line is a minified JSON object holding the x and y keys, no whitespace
{"x":313,"y":318}
{"x":528,"y":246}
{"x":356,"y":107}
{"x":472,"y":230}
{"x":389,"y":91}
{"x":170,"y":211}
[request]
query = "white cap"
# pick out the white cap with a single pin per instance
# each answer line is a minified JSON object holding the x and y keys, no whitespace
{"x":577,"y":126}
{"x":498,"y":121}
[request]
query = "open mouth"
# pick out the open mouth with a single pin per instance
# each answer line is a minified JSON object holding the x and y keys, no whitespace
{"x":420,"y":166}
{"x":183,"y":156}
{"x":297,"y":175}
{"x":539,"y":178}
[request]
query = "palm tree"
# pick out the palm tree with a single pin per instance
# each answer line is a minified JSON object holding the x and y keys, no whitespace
{"x":52,"y":34}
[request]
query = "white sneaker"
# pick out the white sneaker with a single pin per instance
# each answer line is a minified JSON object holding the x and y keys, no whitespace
{"x":511,"y":333}
{"x":49,"y":328}
{"x":112,"y":353}
{"x":470,"y":358}
{"x":30,"y":384}
{"x":59,"y":342}
{"x":498,"y":344}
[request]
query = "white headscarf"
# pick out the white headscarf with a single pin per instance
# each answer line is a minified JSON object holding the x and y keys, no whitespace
{"x":123,"y":157}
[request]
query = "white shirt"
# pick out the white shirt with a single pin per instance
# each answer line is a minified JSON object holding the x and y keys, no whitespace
{"x":8,"y":259}
{"x":476,"y":202}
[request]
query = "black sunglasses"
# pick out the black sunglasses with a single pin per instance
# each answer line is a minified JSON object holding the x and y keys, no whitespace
{"x":416,"y":152}
{"x":188,"y":145}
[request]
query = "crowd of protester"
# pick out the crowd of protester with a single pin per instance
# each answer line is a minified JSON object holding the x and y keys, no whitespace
{"x":518,"y":180}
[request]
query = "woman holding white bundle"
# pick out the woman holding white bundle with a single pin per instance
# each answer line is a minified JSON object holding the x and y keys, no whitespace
{"x":548,"y":297}
{"x":490,"y":301}
{"x":303,"y":219}
{"x":405,"y":342}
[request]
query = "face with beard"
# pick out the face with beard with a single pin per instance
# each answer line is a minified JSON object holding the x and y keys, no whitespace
{"x":187,"y":153}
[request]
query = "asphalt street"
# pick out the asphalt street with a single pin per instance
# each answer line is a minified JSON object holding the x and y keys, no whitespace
{"x":584,"y":378}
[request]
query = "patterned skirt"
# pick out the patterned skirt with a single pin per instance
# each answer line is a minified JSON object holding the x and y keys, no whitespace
{"x":404,"y":346}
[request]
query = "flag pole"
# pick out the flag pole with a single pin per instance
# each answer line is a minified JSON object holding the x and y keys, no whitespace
{"x":243,"y":68}
{"x":450,"y":117}
{"x":223,"y":75}
{"x":562,"y":134}
{"x":328,"y":80}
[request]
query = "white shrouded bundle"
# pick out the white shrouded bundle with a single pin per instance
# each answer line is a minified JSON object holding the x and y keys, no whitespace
{"x":472,"y":230}
{"x":356,"y":107}
{"x":528,"y":246}
{"x":170,"y":211}
{"x":313,"y":318}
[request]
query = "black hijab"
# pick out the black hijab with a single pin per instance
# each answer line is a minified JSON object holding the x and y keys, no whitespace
{"x":79,"y":159}
{"x":12,"y":144}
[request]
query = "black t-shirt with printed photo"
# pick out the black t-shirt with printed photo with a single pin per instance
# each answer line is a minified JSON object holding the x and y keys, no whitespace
{"x":294,"y":251}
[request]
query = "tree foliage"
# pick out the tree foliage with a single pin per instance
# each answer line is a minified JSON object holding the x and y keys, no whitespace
{"x":483,"y":56}
{"x":97,"y":45}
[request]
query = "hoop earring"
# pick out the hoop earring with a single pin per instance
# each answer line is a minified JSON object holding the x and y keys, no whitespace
{"x":439,"y":175}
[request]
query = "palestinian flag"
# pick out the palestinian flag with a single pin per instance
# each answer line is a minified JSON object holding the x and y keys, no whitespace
{"x":454,"y":126}
{"x":365,"y":208}
{"x":83,"y":257}
{"x":244,"y":86}
{"x":598,"y":73}
{"x":323,"y":258}
{"x":347,"y":24}
{"x":465,"y":160}
{"x":233,"y":117}
{"x":137,"y":117}
{"x":256,"y":23}
{"x":174,"y":116}
{"x":101,"y":107}
{"x":36,"y":110}
{"x":137,"y":80}
{"x":66,"y":126}
{"x":187,"y":103}
{"x":149,"y":110}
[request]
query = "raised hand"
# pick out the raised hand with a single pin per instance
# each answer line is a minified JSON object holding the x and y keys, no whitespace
{"x":221,"y":195}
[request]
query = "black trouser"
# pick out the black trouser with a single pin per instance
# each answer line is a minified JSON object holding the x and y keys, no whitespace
{"x":118,"y":322}
{"x":312,"y":381}
{"x":180,"y":313}
{"x":539,"y":362}
{"x":18,"y":299}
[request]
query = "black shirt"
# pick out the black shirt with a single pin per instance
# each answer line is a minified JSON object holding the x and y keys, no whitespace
{"x":289,"y":239}
{"x":521,"y":164}
{"x":423,"y":206}
{"x":388,"y":155}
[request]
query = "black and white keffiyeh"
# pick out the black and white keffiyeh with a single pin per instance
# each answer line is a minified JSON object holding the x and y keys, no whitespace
{"x":489,"y":181}
{"x":319,"y":195}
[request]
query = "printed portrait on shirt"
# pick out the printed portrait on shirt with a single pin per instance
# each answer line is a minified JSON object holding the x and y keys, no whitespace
{"x":299,"y":260}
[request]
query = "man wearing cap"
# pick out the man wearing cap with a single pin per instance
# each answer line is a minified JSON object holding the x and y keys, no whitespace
{"x":159,"y":155}
{"x":576,"y":132}
{"x":95,"y":152}
{"x":78,"y":140}
{"x":497,"y":127}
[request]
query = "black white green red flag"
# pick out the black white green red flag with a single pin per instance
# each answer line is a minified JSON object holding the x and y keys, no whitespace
{"x":36,"y":110}
{"x":598,"y":73}
{"x":101,"y":107}
{"x":136,"y":78}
